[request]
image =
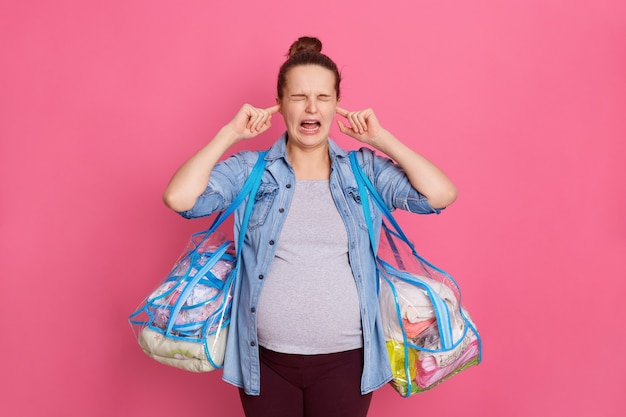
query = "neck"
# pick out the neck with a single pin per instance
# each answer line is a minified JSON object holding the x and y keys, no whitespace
{"x":310,"y":164}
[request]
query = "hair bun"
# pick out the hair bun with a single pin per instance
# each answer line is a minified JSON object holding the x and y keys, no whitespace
{"x":305,"y":44}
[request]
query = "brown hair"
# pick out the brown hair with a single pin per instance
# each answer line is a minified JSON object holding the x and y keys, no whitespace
{"x":306,"y":51}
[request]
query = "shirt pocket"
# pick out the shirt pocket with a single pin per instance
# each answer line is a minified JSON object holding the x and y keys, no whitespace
{"x":262,"y":203}
{"x":356,"y":206}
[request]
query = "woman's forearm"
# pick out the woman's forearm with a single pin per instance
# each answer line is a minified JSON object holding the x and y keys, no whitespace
{"x":424,"y":176}
{"x":192,"y":178}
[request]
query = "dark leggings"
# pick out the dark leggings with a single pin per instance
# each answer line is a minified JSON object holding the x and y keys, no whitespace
{"x":309,"y":386}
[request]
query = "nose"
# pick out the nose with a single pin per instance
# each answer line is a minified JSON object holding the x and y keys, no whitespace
{"x":311,"y":106}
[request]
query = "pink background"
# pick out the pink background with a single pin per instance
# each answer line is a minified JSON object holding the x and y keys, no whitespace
{"x":522,"y":103}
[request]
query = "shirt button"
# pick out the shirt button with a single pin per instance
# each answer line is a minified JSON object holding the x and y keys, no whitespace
{"x":281,"y":210}
{"x":261,"y":276}
{"x":288,"y":185}
{"x":253,"y":343}
{"x":252,"y":310}
{"x":271,"y":242}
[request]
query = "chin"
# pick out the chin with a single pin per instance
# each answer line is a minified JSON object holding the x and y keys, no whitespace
{"x":308,"y":138}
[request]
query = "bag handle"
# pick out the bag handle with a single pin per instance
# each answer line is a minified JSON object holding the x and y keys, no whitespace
{"x":253,"y":183}
{"x":366,"y":187}
{"x":362,"y":180}
{"x":249,"y":189}
{"x":189,"y":287}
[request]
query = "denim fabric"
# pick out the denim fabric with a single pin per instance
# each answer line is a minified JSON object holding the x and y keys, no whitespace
{"x":241,"y":364}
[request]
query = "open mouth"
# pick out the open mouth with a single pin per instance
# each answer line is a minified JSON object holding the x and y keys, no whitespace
{"x":310,"y":126}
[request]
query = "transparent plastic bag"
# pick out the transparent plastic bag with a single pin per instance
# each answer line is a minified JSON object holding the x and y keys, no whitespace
{"x":429,"y":335}
{"x":184,"y":321}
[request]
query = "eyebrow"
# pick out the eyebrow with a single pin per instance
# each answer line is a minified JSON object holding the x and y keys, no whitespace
{"x":304,"y":95}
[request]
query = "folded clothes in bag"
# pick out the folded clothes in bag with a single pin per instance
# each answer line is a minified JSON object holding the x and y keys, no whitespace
{"x":184,"y":322}
{"x":429,"y":335}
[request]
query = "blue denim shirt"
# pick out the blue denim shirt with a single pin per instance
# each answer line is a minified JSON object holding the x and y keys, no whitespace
{"x":241,"y":364}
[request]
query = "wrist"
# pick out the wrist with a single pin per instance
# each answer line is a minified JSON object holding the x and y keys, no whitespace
{"x":383,"y":140}
{"x":228,"y":136}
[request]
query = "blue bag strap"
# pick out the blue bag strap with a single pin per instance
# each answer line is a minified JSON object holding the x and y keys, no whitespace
{"x":189,"y":287}
{"x":249,"y":190}
{"x":365,"y":183}
{"x":380,"y":203}
{"x":366,"y":187}
{"x":250,"y":187}
{"x":363,"y":196}
{"x":439,"y":306}
{"x":253,"y":183}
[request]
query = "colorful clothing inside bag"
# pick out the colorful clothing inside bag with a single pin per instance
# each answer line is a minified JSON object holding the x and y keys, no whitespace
{"x":422,"y":370}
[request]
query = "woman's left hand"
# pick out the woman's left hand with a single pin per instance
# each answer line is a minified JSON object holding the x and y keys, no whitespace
{"x":363,"y":125}
{"x":424,"y":176}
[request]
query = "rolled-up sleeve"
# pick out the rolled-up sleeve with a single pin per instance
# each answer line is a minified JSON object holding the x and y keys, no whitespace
{"x":208,"y":203}
{"x":227,"y":178}
{"x":395,"y":188}
{"x":417,"y":203}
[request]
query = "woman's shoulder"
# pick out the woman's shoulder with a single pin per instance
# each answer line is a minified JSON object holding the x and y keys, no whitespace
{"x":367,"y":157}
{"x":244,"y":159}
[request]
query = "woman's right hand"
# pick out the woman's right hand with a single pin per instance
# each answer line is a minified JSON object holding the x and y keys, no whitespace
{"x":251,"y":121}
{"x":191,"y":179}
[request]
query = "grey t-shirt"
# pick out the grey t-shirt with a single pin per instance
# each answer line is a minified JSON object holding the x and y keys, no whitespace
{"x":309,"y":303}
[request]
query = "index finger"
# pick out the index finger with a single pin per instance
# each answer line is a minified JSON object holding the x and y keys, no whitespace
{"x":273,"y":109}
{"x":342,"y":112}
